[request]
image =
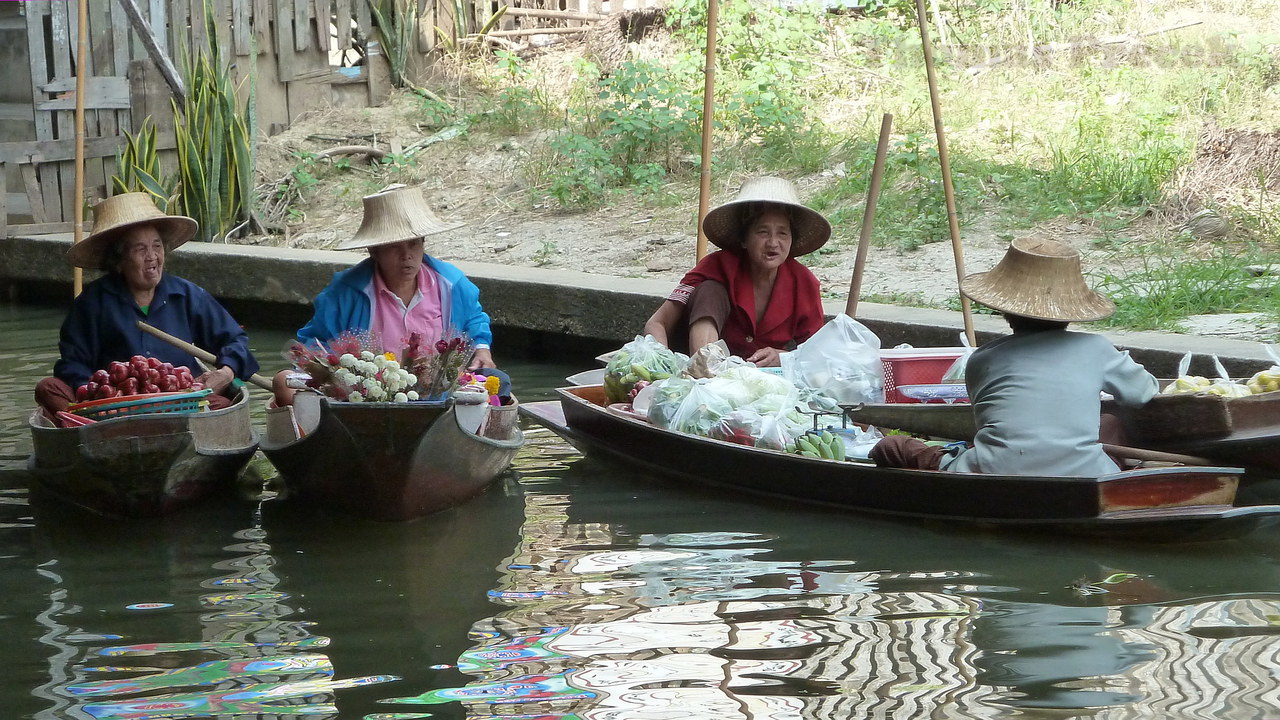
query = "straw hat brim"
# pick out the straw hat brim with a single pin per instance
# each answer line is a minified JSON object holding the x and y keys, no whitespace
{"x":384,"y":238}
{"x":725,"y":225}
{"x":1059,"y":304}
{"x":89,"y":253}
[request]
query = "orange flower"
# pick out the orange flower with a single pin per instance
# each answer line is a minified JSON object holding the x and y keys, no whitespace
{"x":491,"y":384}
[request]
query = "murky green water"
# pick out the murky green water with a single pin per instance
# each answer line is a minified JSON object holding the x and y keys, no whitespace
{"x":578,"y":589}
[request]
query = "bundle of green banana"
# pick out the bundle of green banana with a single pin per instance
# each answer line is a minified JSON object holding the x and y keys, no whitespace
{"x":818,"y":445}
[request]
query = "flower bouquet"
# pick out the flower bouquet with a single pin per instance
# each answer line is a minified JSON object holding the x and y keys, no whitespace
{"x":354,"y":367}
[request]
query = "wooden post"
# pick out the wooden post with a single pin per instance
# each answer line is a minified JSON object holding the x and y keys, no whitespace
{"x":708,"y":126}
{"x":152,"y":45}
{"x":953,"y":221}
{"x":868,"y":217}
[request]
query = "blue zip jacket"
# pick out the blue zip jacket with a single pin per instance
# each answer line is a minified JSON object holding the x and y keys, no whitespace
{"x":345,"y":305}
{"x":101,"y":328}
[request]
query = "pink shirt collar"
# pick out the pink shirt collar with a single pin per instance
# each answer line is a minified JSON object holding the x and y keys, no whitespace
{"x":394,"y":322}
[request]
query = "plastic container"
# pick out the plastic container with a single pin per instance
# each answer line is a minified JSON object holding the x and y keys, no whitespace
{"x":129,"y":405}
{"x":915,"y":366}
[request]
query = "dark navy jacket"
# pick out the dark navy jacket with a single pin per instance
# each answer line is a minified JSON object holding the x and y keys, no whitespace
{"x":101,"y":328}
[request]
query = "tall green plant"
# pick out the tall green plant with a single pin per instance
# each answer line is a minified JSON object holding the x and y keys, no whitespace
{"x":138,"y":167}
{"x":397,"y":22}
{"x":215,"y":153}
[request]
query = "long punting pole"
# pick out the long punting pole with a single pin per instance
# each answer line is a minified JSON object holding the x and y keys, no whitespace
{"x":708,"y":108}
{"x":956,"y":247}
{"x":82,"y":54}
{"x":868,"y":216}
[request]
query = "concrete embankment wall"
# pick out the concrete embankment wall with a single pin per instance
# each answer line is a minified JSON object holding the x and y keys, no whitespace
{"x":538,"y":311}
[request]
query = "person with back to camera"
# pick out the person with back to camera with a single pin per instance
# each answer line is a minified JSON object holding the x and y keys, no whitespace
{"x":399,"y":289}
{"x":1036,"y":394}
{"x":129,"y":241}
{"x":752,"y":293}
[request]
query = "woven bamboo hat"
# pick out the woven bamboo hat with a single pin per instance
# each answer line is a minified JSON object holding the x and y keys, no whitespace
{"x":1038,"y":279}
{"x":395,"y":214}
{"x":725,"y":225}
{"x":116,"y":215}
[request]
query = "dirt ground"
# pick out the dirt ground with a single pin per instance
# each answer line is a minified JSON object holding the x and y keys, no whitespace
{"x":477,"y":179}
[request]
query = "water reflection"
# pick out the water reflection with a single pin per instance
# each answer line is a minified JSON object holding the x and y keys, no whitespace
{"x":615,"y":609}
{"x":249,"y":652}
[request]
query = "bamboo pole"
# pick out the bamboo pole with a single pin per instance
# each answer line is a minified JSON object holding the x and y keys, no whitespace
{"x":197,"y":353}
{"x":953,"y":221}
{"x":868,"y":216}
{"x":82,"y":65}
{"x":708,"y":108}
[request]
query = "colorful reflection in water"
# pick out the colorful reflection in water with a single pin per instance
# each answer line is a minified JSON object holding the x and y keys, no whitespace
{"x":606,"y":622}
{"x":253,"y":659}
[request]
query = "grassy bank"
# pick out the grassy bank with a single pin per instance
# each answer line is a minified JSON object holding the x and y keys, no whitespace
{"x":1151,"y":123}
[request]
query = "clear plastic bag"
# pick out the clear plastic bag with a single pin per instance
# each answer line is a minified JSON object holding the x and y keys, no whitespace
{"x":955,"y":374}
{"x":1187,"y":384}
{"x":644,"y":358}
{"x":841,"y":361}
{"x":688,"y":406}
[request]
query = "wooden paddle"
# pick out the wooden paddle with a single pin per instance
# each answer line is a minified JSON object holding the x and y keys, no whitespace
{"x":256,"y":379}
{"x":868,"y":217}
{"x":1133,"y":453}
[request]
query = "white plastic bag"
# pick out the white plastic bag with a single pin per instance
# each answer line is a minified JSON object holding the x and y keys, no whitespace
{"x":841,"y":361}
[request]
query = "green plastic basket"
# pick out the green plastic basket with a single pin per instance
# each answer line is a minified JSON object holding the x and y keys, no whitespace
{"x":173,"y":402}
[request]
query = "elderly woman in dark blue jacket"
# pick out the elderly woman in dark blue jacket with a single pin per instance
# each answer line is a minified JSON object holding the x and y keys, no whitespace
{"x":129,"y":241}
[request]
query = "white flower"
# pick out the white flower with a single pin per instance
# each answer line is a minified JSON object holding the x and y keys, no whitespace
{"x":366,"y":355}
{"x":392,"y":365}
{"x":401,"y":397}
{"x":380,"y":361}
{"x":347,"y":360}
{"x":412,"y":395}
{"x":354,"y":397}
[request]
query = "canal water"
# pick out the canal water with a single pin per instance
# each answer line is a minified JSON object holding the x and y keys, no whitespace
{"x":580,"y":589}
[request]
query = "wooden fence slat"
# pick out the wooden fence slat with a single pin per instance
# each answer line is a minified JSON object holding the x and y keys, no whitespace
{"x":262,"y":14}
{"x":34,"y":194}
{"x":364,"y":21}
{"x":222,"y":28}
{"x":199,"y":28}
{"x":324,"y":13}
{"x":157,"y":18}
{"x":285,"y":66}
{"x":342,"y":22}
{"x":301,"y":25}
{"x":62,"y":179}
{"x":241,"y":27}
{"x":179,"y":37}
{"x":4,"y":200}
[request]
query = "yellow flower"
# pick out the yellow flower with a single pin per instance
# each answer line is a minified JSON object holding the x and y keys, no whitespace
{"x":491,"y":384}
{"x":389,"y":355}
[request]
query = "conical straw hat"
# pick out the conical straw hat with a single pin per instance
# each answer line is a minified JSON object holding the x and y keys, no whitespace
{"x":395,"y":214}
{"x":1038,"y":279}
{"x":725,"y":226}
{"x":114,"y":216}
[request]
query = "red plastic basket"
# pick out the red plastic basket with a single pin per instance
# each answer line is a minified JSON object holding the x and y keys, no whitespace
{"x":171,"y":402}
{"x":915,"y":366}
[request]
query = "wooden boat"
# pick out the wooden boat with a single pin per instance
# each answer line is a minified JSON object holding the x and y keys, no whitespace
{"x":142,"y":465}
{"x":1167,"y":503}
{"x":391,"y":461}
{"x":1236,"y":431}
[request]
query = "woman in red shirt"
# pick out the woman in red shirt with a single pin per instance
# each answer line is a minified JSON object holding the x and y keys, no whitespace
{"x":752,"y":293}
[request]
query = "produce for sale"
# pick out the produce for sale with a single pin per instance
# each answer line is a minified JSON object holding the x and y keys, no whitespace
{"x":642,"y":359}
{"x":140,"y":375}
{"x":822,"y":444}
{"x":1265,"y":381}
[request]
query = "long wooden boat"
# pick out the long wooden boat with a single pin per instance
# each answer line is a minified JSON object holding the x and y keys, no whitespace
{"x":142,"y":465}
{"x":392,"y":461}
{"x":1167,"y":503}
{"x":1235,"y":431}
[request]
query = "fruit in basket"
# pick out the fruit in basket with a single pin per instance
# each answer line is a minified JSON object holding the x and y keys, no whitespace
{"x":1187,"y":384}
{"x":140,"y":374}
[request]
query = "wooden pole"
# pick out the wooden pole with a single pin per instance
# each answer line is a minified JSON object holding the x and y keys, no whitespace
{"x":953,"y":221}
{"x":197,"y":353}
{"x":868,"y":216}
{"x":708,"y":112}
{"x":82,"y":65}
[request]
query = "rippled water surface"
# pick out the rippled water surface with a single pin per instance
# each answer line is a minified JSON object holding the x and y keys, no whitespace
{"x":578,"y":589}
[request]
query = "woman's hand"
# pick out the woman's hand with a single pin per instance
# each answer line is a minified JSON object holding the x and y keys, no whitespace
{"x":217,"y":380}
{"x":766,"y":357}
{"x":482,"y":359}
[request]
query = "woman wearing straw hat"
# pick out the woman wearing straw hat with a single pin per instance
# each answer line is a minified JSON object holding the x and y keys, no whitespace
{"x":129,"y":241}
{"x":752,"y":293}
{"x":399,"y":289}
{"x":1036,"y":393}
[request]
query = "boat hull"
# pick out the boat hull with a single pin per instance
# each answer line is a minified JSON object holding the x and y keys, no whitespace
{"x":394,"y":461}
{"x":144,"y":465}
{"x":1157,"y":503}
